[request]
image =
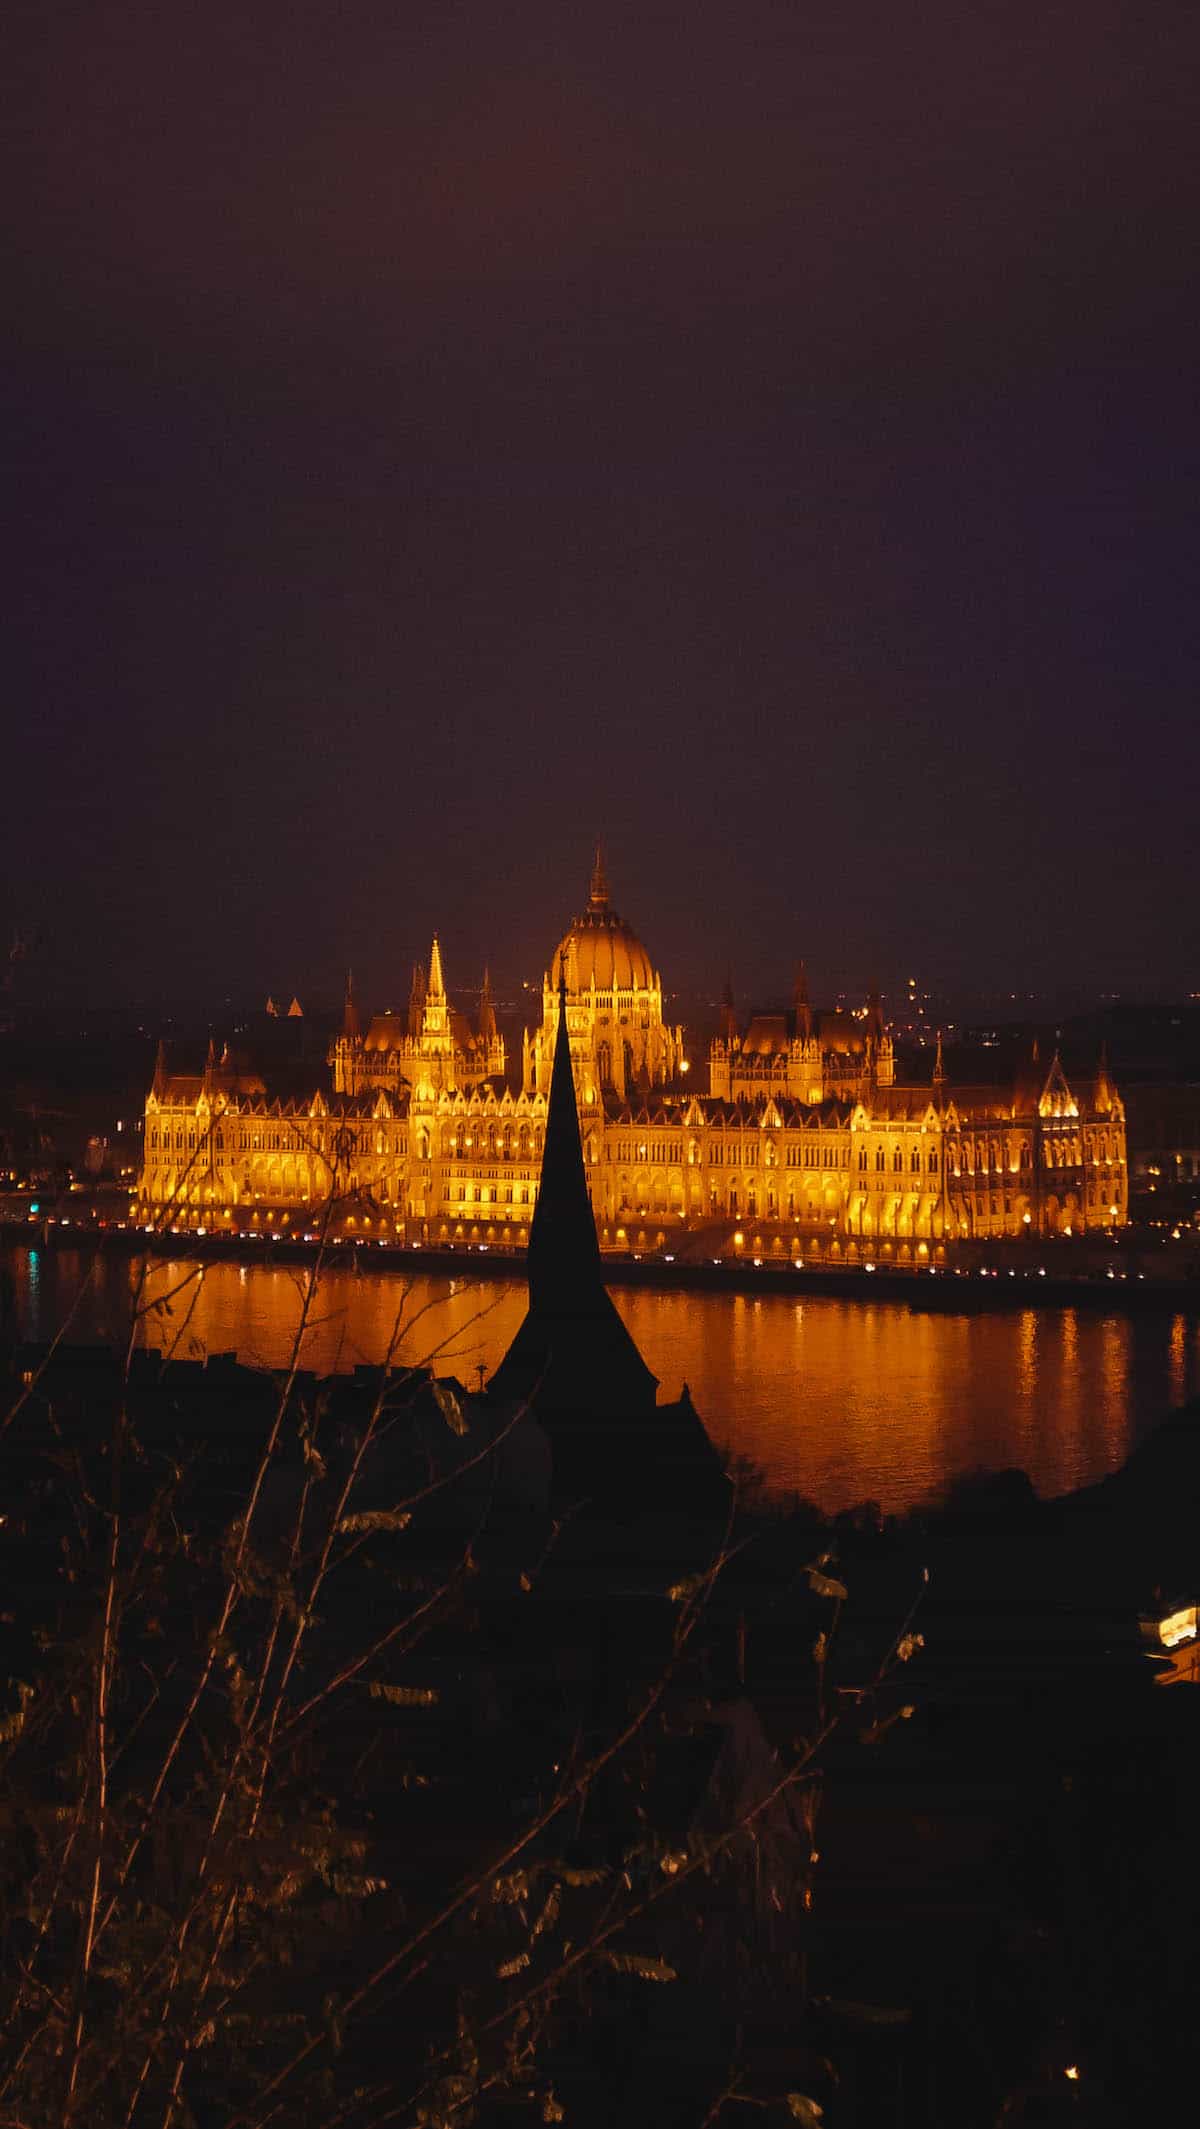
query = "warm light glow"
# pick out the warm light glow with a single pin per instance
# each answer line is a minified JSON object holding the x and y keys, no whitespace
{"x":1178,"y":1627}
{"x":1072,"y":2071}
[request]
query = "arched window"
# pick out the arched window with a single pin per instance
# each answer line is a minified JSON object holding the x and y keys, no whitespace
{"x":604,"y":1063}
{"x":898,"y":1160}
{"x":916,"y":1160}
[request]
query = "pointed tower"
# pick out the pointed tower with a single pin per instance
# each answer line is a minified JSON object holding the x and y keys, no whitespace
{"x":416,"y":1000}
{"x":435,"y":1024}
{"x":800,"y":1001}
{"x":881,"y":1056}
{"x":487,"y":1011}
{"x":572,"y":1357}
{"x":720,"y":1049}
{"x":159,"y":1082}
{"x":939,"y":1066}
{"x":806,"y":1074}
{"x":346,"y":1055}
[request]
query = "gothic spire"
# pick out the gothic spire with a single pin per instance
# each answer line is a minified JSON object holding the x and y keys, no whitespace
{"x":437,"y":986}
{"x":350,"y":1026}
{"x":564,"y":1254}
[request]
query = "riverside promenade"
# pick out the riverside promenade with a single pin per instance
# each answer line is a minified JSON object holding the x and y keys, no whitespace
{"x":1134,"y":1271}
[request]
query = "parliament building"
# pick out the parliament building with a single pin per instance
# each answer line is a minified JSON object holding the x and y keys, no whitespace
{"x":803,"y":1142}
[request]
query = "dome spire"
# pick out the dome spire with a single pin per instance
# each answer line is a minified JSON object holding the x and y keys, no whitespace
{"x":598,"y":892}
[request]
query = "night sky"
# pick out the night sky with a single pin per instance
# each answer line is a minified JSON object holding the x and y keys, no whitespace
{"x":766,"y":435}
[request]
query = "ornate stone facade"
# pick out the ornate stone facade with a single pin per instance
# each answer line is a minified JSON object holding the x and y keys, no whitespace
{"x":802,"y":1144}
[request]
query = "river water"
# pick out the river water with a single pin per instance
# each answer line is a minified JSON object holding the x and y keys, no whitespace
{"x":840,"y":1400}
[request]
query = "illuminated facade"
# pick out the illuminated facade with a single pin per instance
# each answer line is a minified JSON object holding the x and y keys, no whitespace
{"x":803,"y":1142}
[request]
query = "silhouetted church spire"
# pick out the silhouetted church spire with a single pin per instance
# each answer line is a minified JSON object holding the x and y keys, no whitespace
{"x":564,"y":1254}
{"x":572,"y":1354}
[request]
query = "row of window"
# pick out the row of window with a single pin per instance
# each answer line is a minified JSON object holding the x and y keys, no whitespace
{"x":507,"y":1194}
{"x":518,"y":1145}
{"x":915,"y":1163}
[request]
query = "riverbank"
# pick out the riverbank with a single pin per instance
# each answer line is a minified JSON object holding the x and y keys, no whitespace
{"x":996,"y":1276}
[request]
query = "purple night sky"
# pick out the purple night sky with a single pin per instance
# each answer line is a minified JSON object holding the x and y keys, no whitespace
{"x":767,"y":435}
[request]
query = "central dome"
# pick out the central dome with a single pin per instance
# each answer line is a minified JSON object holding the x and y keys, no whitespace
{"x":601,"y":949}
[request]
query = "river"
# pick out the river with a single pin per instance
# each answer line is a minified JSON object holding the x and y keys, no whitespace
{"x":840,"y":1400}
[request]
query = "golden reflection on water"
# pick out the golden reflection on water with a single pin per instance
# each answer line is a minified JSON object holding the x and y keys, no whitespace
{"x":838,"y":1400}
